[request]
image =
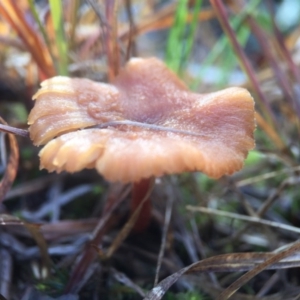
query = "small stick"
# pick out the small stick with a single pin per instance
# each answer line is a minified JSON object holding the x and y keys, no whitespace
{"x":14,"y":130}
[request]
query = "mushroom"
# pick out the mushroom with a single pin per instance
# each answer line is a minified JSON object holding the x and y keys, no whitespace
{"x":145,"y":123}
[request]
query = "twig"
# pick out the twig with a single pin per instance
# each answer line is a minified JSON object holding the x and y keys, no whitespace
{"x":14,"y":130}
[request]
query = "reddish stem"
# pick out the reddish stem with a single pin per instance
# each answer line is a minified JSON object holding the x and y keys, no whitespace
{"x":139,"y":192}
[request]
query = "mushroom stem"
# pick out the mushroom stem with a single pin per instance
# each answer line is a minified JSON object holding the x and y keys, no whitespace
{"x":140,"y":190}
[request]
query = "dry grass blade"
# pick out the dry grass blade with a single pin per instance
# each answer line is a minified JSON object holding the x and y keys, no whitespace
{"x":116,"y":196}
{"x":266,"y":176}
{"x":10,"y":220}
{"x":273,"y":60}
{"x":34,"y":230}
{"x":238,"y":262}
{"x":158,"y":291}
{"x":52,"y":231}
{"x":255,"y":220}
{"x":269,"y":130}
{"x":161,"y":20}
{"x":67,"y":228}
{"x":12,"y":166}
{"x":30,"y":187}
{"x":103,"y":22}
{"x":74,"y":7}
{"x":111,"y":40}
{"x":6,"y":267}
{"x":291,"y":181}
{"x":114,"y":38}
{"x":122,"y":278}
{"x":245,"y":63}
{"x":246,"y":277}
{"x":131,"y":47}
{"x":282,"y":44}
{"x":109,"y":27}
{"x":15,"y":17}
{"x":39,"y":238}
{"x":233,"y":262}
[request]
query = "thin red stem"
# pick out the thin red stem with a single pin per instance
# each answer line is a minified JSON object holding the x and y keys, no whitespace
{"x":139,"y":191}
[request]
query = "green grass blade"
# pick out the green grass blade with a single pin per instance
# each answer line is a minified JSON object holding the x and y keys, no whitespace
{"x":58,"y":23}
{"x":176,"y":36}
{"x":192,"y":32}
{"x":41,"y":29}
{"x":231,"y":60}
{"x":235,"y":23}
{"x":223,"y":42}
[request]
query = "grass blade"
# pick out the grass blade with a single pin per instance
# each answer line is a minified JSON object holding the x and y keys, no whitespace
{"x":41,"y":27}
{"x":191,"y":35}
{"x":223,"y":43}
{"x":176,"y":36}
{"x":58,"y":22}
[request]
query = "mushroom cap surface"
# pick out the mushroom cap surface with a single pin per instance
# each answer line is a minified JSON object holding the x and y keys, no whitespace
{"x":145,"y":123}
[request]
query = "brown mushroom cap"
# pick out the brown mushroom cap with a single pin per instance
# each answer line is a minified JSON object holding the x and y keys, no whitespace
{"x":150,"y":125}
